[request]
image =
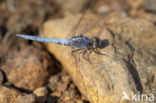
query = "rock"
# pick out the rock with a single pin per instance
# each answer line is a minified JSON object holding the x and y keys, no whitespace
{"x":66,"y":78}
{"x":28,"y":67}
{"x":147,"y":15}
{"x":11,"y":95}
{"x":56,"y":94}
{"x":71,"y":96}
{"x":72,"y":5}
{"x":150,"y":5}
{"x":53,"y":82}
{"x":30,"y":98}
{"x":134,"y":6}
{"x":64,"y":82}
{"x":8,"y":95}
{"x":53,"y":100}
{"x":68,"y":95}
{"x":132,"y":42}
{"x":129,"y":63}
{"x":62,"y":87}
{"x":41,"y":93}
{"x":59,"y":82}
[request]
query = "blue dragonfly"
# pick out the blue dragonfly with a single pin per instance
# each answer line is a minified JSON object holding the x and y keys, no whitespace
{"x":80,"y":42}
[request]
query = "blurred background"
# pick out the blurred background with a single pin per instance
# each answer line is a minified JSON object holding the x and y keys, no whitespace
{"x":28,"y":16}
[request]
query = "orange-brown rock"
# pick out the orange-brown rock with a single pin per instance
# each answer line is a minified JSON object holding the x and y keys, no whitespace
{"x":41,"y":94}
{"x":28,"y":67}
{"x":72,"y":5}
{"x":129,"y":63}
{"x":11,"y":95}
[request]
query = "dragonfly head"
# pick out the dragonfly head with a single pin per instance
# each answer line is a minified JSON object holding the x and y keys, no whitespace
{"x":96,"y":43}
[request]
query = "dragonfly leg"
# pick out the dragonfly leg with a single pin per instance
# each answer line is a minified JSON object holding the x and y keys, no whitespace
{"x":82,"y":34}
{"x":98,"y":52}
{"x":75,"y":50}
{"x":91,"y":50}
{"x":83,"y":55}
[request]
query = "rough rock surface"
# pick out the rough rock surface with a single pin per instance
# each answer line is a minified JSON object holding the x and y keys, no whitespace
{"x":28,"y":67}
{"x":129,"y":63}
{"x":150,"y":5}
{"x":41,"y":94}
{"x":12,"y":95}
{"x":63,"y":88}
{"x":72,"y":5}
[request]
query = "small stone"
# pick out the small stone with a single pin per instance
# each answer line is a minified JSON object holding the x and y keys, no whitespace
{"x":30,"y":98}
{"x":67,"y":96}
{"x":62,"y":87}
{"x":53,"y":82}
{"x":54,"y":99}
{"x":42,"y":91}
{"x":41,"y":99}
{"x":66,"y":78}
{"x":56,"y":93}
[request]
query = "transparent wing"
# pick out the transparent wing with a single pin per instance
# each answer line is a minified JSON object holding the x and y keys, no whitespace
{"x":81,"y":27}
{"x":95,"y":69}
{"x":78,"y":29}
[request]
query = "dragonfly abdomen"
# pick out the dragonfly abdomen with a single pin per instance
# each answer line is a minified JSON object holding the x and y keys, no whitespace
{"x":42,"y":39}
{"x":80,"y":41}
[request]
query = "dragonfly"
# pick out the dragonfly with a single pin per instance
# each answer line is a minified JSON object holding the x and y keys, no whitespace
{"x":80,"y":42}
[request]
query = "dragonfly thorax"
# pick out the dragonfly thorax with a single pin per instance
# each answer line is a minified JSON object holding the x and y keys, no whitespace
{"x":96,"y":43}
